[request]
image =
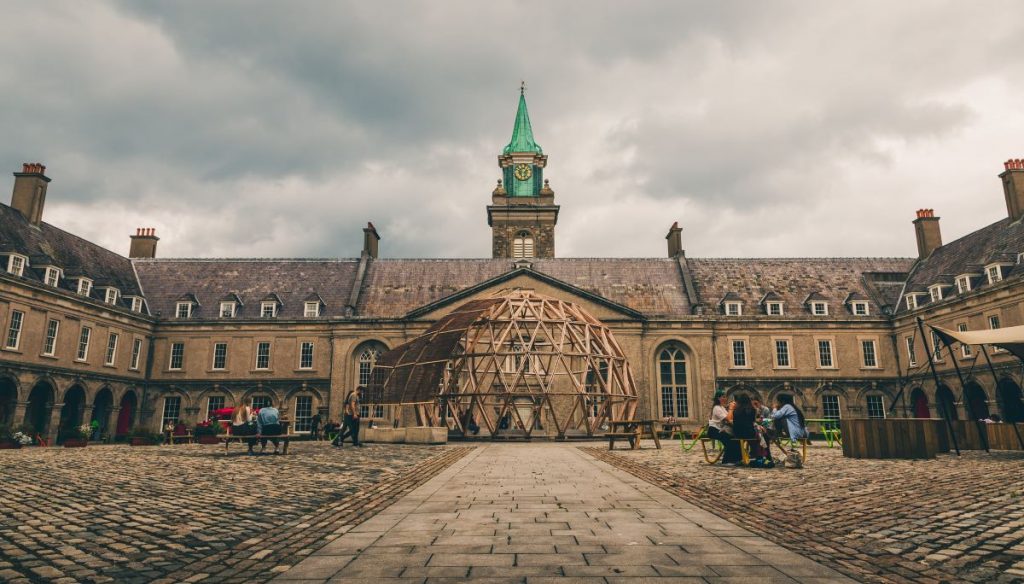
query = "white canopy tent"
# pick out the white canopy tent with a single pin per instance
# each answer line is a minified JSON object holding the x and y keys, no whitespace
{"x":1010,"y":338}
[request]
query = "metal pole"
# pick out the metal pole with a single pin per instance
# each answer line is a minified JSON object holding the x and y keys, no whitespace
{"x":982,"y":432}
{"x":935,"y":376}
{"x":995,"y":380}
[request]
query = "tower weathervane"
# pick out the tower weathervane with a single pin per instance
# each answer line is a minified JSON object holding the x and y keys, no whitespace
{"x":522,"y":87}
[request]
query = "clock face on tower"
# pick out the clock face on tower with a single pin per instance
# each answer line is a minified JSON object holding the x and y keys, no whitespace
{"x":523,"y":171}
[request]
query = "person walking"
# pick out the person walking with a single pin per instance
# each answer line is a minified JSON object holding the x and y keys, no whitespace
{"x":350,"y":428}
{"x":314,"y":426}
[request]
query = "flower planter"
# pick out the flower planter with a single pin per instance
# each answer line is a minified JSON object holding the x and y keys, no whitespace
{"x":76,"y":443}
{"x":207,"y":439}
{"x":142,"y":441}
{"x":9,"y":445}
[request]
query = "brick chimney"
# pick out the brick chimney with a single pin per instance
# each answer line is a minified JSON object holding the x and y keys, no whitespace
{"x":675,"y":240}
{"x":371,"y":240}
{"x":1013,"y":187}
{"x":143,"y":243}
{"x":929,"y":238}
{"x":30,"y":191}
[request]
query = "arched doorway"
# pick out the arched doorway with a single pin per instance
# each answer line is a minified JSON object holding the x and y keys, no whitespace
{"x":8,"y":400}
{"x":947,"y":403}
{"x":919,"y":403}
{"x":126,"y":417}
{"x":1010,"y":398}
{"x":40,"y":401}
{"x":101,"y":408}
{"x":977,"y":402}
{"x":71,"y":413}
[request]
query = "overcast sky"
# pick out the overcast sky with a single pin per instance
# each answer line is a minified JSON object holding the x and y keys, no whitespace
{"x":278,"y":129}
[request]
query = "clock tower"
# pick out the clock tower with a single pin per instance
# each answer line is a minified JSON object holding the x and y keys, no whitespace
{"x":522,"y":213}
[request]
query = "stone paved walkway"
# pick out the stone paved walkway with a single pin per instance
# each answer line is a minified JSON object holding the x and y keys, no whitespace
{"x":531,"y":513}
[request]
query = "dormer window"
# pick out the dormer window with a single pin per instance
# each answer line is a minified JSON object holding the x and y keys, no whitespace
{"x":268,"y":309}
{"x":312,"y":309}
{"x":183,"y":310}
{"x":935,"y":292}
{"x":52,"y":276}
{"x":1020,"y":257}
{"x":963,"y":284}
{"x":773,"y":308}
{"x":110,"y":295}
{"x":16,"y":265}
{"x":912,"y":301}
{"x":84,"y":286}
{"x":227,"y":310}
{"x":994,"y":273}
{"x":819,"y":308}
{"x":136,"y":304}
{"x":860,"y":308}
{"x":734,"y":309}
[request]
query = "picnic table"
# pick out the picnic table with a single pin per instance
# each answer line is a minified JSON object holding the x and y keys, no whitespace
{"x":829,"y":429}
{"x":633,"y":431}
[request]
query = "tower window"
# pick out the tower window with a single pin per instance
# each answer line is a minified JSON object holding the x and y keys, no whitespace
{"x":522,"y":245}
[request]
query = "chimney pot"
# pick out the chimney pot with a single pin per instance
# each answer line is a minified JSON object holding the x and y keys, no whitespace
{"x":143,"y":243}
{"x":29,"y":194}
{"x":926,"y":228}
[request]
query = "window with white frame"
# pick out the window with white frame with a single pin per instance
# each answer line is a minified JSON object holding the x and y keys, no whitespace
{"x":675,"y":399}
{"x":52,"y":277}
{"x":739,"y":353}
{"x":830,"y":407}
{"x":177,"y":356}
{"x":136,"y":304}
{"x":136,"y":354}
{"x":733,"y":308}
{"x":911,"y":301}
{"x":110,"y":295}
{"x":782,"y":359}
{"x":819,"y":308}
{"x":303,"y":413}
{"x":860,"y":308}
{"x":172,"y":411}
{"x":261,"y":401}
{"x":306,"y":355}
{"x":522,"y":245}
{"x":935,"y":292}
{"x":825,"y":359}
{"x":994,"y":273}
{"x":220,"y":356}
{"x":936,"y":347}
{"x":963,"y":284}
{"x":774,"y":308}
{"x":367,"y":359}
{"x":911,"y":352}
{"x":869,"y":351}
{"x":84,"y":286}
{"x":111,"y":349}
{"x":83,"y":344}
{"x":50,"y":342}
{"x":263,"y":355}
{"x":14,"y":330}
{"x":214,"y":403}
{"x":183,"y":310}
{"x":227,"y":310}
{"x":876,"y":407}
{"x":268,"y":309}
{"x":965,"y":350}
{"x":1020,"y":257}
{"x":312,"y":309}
{"x":993,"y":323}
{"x":16,"y":265}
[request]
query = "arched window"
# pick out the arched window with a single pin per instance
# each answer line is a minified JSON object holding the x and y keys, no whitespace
{"x":522,"y":245}
{"x":367,"y":358}
{"x":675,"y":400}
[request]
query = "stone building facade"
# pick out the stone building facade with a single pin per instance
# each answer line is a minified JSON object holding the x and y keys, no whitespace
{"x":141,"y":340}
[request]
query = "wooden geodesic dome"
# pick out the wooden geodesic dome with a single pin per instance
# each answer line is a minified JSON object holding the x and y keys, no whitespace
{"x":517,"y":362}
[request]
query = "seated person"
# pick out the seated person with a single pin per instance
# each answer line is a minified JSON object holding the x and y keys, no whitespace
{"x":268,"y":423}
{"x":741,"y":416}
{"x":789,"y":417}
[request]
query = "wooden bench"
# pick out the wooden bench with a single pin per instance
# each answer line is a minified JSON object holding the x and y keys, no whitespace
{"x":285,"y":438}
{"x":178,"y":438}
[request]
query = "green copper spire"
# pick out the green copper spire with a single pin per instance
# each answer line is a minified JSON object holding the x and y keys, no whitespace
{"x":522,"y":133}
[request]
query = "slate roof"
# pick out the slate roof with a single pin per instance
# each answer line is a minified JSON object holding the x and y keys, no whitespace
{"x":792,"y":279}
{"x":47,"y":244}
{"x":252,"y":280}
{"x":998,"y":242}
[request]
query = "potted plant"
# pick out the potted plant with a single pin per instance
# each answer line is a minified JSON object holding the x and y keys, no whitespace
{"x":78,"y":437}
{"x":140,"y":437}
{"x":207,"y":432}
{"x":11,"y":438}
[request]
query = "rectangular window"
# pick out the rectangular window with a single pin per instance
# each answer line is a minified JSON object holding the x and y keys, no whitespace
{"x":733,"y":308}
{"x":963,"y":284}
{"x":214,"y":403}
{"x":136,"y":354}
{"x":870,"y":356}
{"x":303,"y":412}
{"x":84,"y":286}
{"x":911,"y":352}
{"x":268,"y":309}
{"x":14,"y":331}
{"x":183,"y":310}
{"x":830,"y":407}
{"x":819,"y":308}
{"x":936,"y":347}
{"x":860,"y":308}
{"x":227,"y":310}
{"x":263,"y":355}
{"x":50,"y":343}
{"x":177,"y":356}
{"x":739,"y":353}
{"x":876,"y":407}
{"x":306,"y":356}
{"x":782,"y":353}
{"x":260,"y":401}
{"x":775,"y":308}
{"x":220,"y":356}
{"x":965,"y":350}
{"x":111,"y":349}
{"x":83,"y":344}
{"x":16,"y":265}
{"x":993,"y":323}
{"x":136,"y":304}
{"x":911,"y":301}
{"x":172,"y":411}
{"x":825,"y":354}
{"x":52,"y":277}
{"x":110,"y":296}
{"x":936,"y":293}
{"x":312,"y":309}
{"x":995,"y":274}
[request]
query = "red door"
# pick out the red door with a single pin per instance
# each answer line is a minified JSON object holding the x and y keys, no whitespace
{"x":921,"y":406}
{"x":124,"y":417}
